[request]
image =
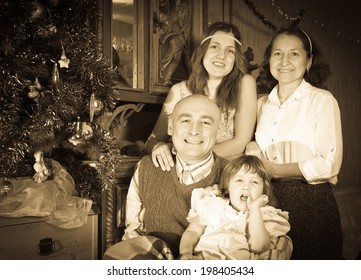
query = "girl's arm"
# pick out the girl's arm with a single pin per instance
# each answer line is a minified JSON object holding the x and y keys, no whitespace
{"x":244,"y":120}
{"x":258,"y":237}
{"x":157,"y":145}
{"x":190,"y":238}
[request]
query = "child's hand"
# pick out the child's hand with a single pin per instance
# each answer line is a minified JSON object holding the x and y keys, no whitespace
{"x":215,"y":190}
{"x":258,"y":202}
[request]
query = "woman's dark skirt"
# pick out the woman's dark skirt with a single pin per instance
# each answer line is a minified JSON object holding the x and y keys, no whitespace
{"x":316,"y":230}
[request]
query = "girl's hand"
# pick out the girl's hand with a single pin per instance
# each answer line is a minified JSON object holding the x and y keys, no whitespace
{"x":258,"y":202}
{"x":215,"y":190}
{"x":162,"y":156}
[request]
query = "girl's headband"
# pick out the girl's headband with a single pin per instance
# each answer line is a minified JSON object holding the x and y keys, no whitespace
{"x":223,"y":35}
{"x":309,"y":41}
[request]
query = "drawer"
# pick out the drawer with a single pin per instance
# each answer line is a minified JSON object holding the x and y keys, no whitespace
{"x":20,"y":241}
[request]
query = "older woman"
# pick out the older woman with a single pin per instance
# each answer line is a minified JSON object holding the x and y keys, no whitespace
{"x":299,"y":138}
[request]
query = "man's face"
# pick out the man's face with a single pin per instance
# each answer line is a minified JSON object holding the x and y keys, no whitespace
{"x":193,"y":127}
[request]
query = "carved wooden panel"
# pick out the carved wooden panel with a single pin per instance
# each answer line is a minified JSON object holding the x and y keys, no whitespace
{"x":170,"y":45}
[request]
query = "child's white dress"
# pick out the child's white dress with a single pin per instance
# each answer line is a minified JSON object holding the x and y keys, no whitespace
{"x":225,"y":233}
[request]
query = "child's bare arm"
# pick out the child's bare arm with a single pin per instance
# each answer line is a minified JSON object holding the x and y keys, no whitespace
{"x":258,"y":236}
{"x":190,"y":238}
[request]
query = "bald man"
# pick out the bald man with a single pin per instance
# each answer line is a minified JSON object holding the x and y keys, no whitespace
{"x":158,"y":201}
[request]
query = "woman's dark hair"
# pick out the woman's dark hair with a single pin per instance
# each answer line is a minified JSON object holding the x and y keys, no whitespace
{"x":317,"y":74}
{"x":251,"y":164}
{"x":227,"y":91}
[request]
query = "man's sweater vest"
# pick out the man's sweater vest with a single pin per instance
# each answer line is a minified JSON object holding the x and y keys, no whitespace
{"x":167,"y":201}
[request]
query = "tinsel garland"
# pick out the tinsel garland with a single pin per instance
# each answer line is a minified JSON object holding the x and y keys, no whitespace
{"x":102,"y":151}
{"x":33,"y":34}
{"x":266,"y":21}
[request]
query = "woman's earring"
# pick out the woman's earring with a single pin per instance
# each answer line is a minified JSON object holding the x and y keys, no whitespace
{"x":307,"y":70}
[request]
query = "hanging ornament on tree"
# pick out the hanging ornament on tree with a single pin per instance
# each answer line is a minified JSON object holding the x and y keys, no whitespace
{"x":87,"y":131}
{"x":81,"y":132}
{"x":37,"y":84}
{"x":64,"y":61}
{"x":55,"y":77}
{"x":37,"y":11}
{"x":96,"y":106}
{"x":34,"y":90}
{"x":43,"y":171}
{"x":78,"y":129}
{"x":33,"y":93}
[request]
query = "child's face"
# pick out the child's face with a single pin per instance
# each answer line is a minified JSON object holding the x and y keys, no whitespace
{"x":244,"y":185}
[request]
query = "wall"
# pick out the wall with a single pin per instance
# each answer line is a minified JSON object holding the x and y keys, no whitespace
{"x":334,"y":25}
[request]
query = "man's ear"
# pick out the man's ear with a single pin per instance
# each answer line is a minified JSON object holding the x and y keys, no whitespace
{"x":170,"y":127}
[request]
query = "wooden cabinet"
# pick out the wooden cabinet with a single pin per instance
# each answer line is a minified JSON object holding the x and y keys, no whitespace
{"x":150,"y":42}
{"x":171,"y":26}
{"x":34,"y":239}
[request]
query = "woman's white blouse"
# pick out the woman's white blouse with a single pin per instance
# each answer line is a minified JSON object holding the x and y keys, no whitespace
{"x":305,"y":129}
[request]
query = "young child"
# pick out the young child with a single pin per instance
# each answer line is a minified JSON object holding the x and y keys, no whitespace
{"x":240,"y":223}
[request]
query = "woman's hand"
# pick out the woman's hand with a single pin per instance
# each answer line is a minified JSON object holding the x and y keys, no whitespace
{"x":162,"y":156}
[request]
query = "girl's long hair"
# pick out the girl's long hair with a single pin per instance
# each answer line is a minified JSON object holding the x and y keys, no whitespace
{"x":227,"y":91}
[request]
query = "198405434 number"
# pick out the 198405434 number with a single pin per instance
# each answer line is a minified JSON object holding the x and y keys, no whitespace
{"x":232,"y":270}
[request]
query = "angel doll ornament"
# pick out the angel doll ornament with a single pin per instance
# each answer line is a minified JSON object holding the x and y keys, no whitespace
{"x":41,"y":168}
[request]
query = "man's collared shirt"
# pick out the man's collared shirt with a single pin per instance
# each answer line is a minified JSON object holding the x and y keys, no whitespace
{"x":192,"y":173}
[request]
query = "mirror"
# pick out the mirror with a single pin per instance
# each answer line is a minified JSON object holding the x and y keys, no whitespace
{"x":125,"y":45}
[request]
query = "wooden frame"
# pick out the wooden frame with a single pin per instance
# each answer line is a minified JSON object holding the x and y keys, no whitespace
{"x":148,"y":85}
{"x":170,"y":45}
{"x":141,"y":56}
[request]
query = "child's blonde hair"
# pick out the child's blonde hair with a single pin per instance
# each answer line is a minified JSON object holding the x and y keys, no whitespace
{"x":251,"y":164}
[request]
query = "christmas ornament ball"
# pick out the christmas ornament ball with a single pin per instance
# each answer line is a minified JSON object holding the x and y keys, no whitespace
{"x":37,"y":11}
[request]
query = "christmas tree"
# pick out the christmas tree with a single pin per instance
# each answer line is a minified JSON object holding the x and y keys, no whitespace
{"x":50,"y":71}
